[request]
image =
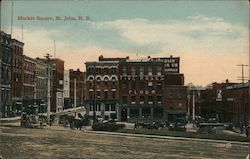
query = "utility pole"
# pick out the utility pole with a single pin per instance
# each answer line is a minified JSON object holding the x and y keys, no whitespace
{"x":22,"y":32}
{"x":11,"y":18}
{"x":193,"y":117}
{"x":94,"y":113}
{"x":75,"y":92}
{"x":48,"y":91}
{"x":54,"y":48}
{"x":188,"y":97}
{"x":242,"y":78}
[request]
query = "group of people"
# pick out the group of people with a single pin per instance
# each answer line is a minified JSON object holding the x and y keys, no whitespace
{"x":246,"y":128}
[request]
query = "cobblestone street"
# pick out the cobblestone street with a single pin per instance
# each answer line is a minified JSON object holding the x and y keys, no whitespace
{"x":58,"y":142}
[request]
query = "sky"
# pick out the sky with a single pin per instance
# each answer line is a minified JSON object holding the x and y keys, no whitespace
{"x":210,"y":37}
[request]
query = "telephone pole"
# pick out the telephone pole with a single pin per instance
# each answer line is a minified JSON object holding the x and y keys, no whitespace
{"x":48,"y":90}
{"x":242,"y":77}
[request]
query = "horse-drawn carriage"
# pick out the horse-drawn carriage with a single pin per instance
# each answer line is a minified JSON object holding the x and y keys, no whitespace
{"x":74,"y":122}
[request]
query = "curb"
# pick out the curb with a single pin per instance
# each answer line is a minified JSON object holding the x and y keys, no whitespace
{"x":169,"y":137}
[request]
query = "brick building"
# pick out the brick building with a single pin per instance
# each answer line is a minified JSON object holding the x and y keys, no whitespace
{"x":145,"y":89}
{"x":17,"y":73}
{"x":77,"y":84}
{"x":229,"y":102}
{"x":74,"y":80}
{"x":6,"y":61}
{"x":151,"y":89}
{"x":41,"y":85}
{"x":28,"y":91}
{"x":57,"y":91}
{"x":102,"y":87}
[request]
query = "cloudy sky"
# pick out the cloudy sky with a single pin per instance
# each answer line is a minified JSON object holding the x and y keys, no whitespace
{"x":210,"y":37}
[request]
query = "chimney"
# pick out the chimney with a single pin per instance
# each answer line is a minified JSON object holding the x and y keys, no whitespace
{"x":101,"y":58}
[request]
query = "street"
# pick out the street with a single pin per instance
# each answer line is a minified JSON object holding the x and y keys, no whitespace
{"x":58,"y":142}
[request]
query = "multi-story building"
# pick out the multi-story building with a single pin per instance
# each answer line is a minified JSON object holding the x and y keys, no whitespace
{"x":77,"y":82}
{"x":40,"y":94}
{"x":17,"y":73}
{"x":29,"y":74}
{"x":57,"y":92}
{"x":6,"y":60}
{"x":229,"y":102}
{"x":102,"y":86}
{"x":151,"y":89}
{"x":145,"y":89}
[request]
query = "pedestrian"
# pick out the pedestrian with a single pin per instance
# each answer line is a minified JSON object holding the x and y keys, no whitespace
{"x":241,"y":128}
{"x":248,"y":130}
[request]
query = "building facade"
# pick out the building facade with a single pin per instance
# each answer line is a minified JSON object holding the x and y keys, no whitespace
{"x":229,"y":102}
{"x":102,"y":87}
{"x":29,"y":74}
{"x":41,"y":87}
{"x":136,"y":90}
{"x":77,"y":82}
{"x":6,"y":61}
{"x":151,"y":89}
{"x":57,"y":91}
{"x":17,"y":74}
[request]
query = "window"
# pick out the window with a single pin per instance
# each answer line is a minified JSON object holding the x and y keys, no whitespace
{"x":150,"y":84}
{"x":113,"y":80}
{"x":124,"y":99}
{"x":106,"y":107}
{"x":98,"y":81}
{"x":142,"y":99}
{"x":150,"y":99}
{"x":133,"y":99}
{"x":141,"y":71}
{"x":106,"y":70}
{"x":133,"y":71}
{"x":158,"y":70}
{"x":113,"y":70}
{"x":112,"y":107}
{"x":159,"y":86}
{"x":106,"y":81}
{"x":98,"y":94}
{"x":150,"y":71}
{"x":159,"y":99}
{"x":124,"y":70}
